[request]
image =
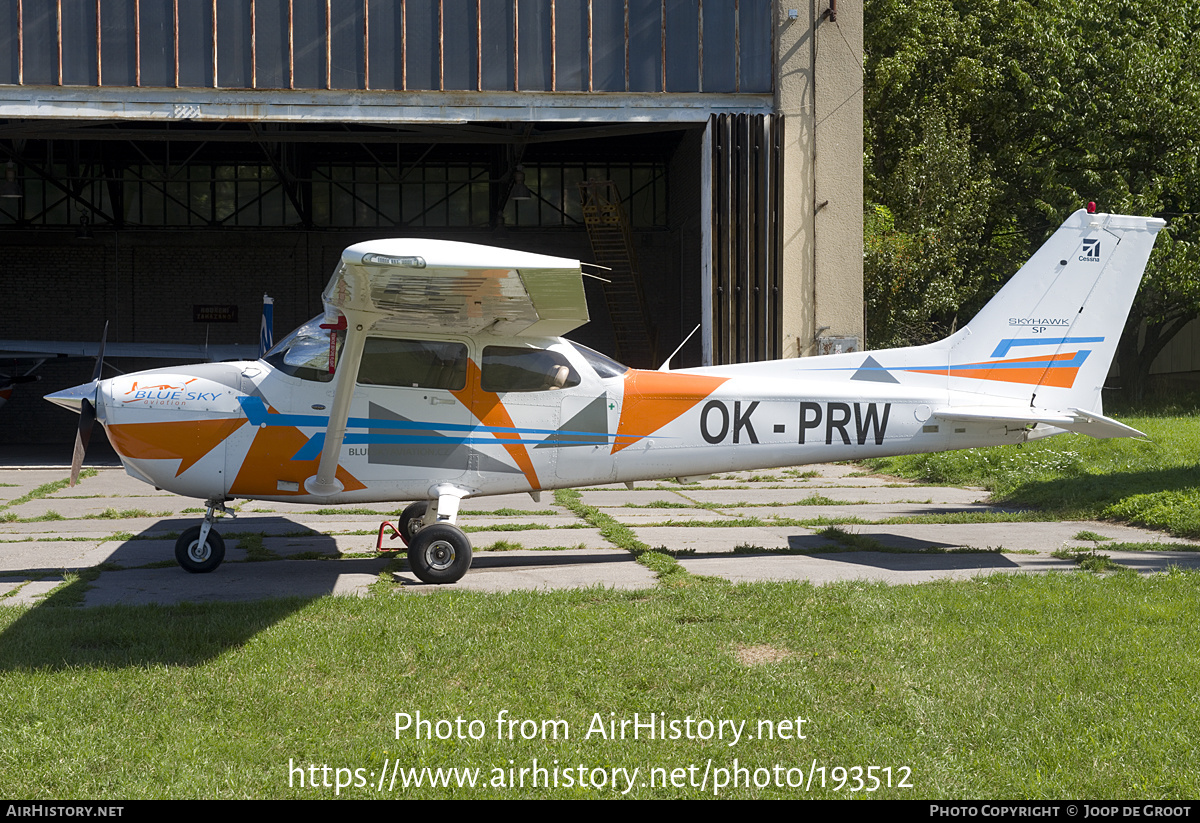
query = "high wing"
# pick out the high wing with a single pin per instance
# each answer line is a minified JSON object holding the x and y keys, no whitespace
{"x":409,"y":284}
{"x":439,"y":285}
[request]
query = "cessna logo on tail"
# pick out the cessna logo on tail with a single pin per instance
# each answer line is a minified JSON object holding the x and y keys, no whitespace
{"x":1091,"y":250}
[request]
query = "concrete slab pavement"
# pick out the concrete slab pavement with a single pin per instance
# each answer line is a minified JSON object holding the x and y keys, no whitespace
{"x":120,"y":533}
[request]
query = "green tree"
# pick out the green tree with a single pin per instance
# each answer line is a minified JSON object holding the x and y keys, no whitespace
{"x":988,"y":122}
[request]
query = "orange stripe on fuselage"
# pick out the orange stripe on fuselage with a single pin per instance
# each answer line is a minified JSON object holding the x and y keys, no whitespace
{"x":185,"y":440}
{"x":269,"y":461}
{"x":653,"y":399}
{"x":489,"y":411}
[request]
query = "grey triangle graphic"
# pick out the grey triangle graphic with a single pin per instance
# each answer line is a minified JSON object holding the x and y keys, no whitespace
{"x":578,"y":430}
{"x":872,"y":371}
{"x":447,"y":455}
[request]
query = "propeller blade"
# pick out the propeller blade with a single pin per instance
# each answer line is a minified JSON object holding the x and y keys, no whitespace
{"x":87,"y":416}
{"x":100,"y":354}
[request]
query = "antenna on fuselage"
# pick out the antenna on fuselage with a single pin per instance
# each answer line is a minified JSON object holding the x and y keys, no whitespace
{"x":666,"y":366}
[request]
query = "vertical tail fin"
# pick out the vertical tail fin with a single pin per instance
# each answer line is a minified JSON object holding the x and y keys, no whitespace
{"x":1049,"y":336}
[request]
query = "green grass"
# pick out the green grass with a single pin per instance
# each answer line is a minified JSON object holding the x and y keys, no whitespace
{"x":508,"y":546}
{"x":827,"y":520}
{"x":252,"y":544}
{"x":108,"y":514}
{"x":1151,"y":547}
{"x":507,"y":512}
{"x":46,"y":489}
{"x":1155,"y":484}
{"x":45,"y":517}
{"x":667,"y":569}
{"x":510,"y":527}
{"x":851,"y":540}
{"x":120,"y":514}
{"x":811,"y":500}
{"x":346,"y":512}
{"x":978,"y":687}
{"x":1088,"y":559}
{"x":501,"y":546}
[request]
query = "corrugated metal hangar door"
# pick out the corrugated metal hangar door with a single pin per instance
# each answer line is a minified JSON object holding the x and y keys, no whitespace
{"x":746,"y":294}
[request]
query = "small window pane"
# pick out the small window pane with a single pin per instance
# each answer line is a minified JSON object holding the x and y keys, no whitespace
{"x":506,"y":368}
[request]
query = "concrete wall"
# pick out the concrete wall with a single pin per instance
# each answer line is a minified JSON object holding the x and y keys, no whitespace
{"x":819,"y":93}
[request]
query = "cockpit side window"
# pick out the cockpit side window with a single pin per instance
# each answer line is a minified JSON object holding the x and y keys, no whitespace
{"x":424,"y":364}
{"x":512,"y":368}
{"x":305,"y":352}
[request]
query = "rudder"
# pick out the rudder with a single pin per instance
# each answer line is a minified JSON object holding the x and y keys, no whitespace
{"x":1050,"y":334}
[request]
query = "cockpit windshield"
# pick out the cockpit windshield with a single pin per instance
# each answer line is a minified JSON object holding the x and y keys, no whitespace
{"x":305,"y":352}
{"x":605,"y":366}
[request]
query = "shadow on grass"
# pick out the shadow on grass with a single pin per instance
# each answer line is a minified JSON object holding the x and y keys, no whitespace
{"x":186,"y":634}
{"x":1090,"y":495}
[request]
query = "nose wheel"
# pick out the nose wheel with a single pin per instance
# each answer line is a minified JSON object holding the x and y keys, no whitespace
{"x":439,"y":553}
{"x":199,"y":556}
{"x":200,"y":549}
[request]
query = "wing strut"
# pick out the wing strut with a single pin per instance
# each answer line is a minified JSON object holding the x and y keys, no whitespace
{"x":325,"y":483}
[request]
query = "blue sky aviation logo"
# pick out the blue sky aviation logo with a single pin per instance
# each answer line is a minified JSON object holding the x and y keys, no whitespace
{"x":1091,"y":250}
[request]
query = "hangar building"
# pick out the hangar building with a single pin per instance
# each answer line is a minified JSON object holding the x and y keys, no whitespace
{"x":167,"y":163}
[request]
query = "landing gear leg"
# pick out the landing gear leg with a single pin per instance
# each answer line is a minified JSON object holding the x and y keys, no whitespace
{"x":200,"y":549}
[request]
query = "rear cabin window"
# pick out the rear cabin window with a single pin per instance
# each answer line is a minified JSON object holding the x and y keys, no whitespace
{"x":509,"y":368}
{"x":422,"y":364}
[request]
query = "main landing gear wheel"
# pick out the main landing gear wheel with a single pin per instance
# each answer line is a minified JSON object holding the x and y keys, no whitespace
{"x":199,"y":559}
{"x":412,"y":520}
{"x":439,"y":553}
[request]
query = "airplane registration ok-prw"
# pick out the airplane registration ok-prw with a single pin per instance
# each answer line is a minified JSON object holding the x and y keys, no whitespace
{"x":438,"y":372}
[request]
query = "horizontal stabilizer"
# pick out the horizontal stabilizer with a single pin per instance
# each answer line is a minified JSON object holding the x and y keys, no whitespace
{"x":1074,"y":420}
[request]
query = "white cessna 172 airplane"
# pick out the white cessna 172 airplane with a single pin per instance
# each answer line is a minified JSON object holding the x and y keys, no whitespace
{"x":438,"y":373}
